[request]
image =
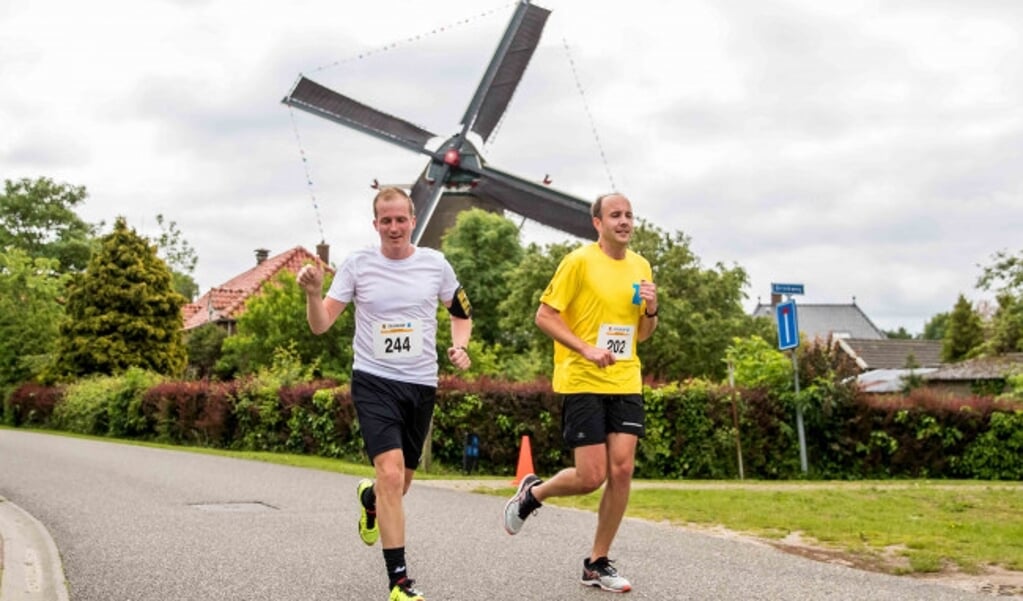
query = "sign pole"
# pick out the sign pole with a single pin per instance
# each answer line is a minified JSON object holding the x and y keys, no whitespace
{"x":799,"y":415}
{"x":788,"y":339}
{"x":735,"y":417}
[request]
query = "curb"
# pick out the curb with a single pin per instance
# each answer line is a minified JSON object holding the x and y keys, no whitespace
{"x":29,"y":560}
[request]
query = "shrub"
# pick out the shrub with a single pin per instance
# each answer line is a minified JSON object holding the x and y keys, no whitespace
{"x":691,"y":426}
{"x":320,"y":420}
{"x":84,"y":408}
{"x":192,"y":412}
{"x":125,"y":416}
{"x":500,"y":413}
{"x":31,"y":404}
{"x":995,"y":454}
{"x":107,"y":405}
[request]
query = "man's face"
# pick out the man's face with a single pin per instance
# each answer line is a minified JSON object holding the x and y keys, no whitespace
{"x":615,"y":221}
{"x":394,"y":222}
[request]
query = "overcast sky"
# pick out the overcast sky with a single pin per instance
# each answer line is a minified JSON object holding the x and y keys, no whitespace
{"x":867,"y":149}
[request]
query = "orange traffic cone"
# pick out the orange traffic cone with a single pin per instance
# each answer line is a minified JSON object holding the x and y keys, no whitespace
{"x":525,"y":461}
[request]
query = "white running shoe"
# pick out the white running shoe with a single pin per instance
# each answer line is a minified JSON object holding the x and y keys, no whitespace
{"x":601,"y":573}
{"x":517,"y":509}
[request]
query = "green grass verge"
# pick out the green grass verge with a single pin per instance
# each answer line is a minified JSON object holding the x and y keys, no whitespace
{"x":893,"y":526}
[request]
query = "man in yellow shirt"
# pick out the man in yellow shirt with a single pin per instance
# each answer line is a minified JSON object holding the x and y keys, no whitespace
{"x":600,"y":303}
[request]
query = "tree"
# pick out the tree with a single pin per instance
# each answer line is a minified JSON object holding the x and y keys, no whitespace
{"x":179,"y":256}
{"x":1004,"y":275}
{"x":38,"y":217}
{"x":483,"y":248}
{"x":275,"y":319}
{"x":935,"y":328}
{"x":1006,"y":327}
{"x":122,"y":312}
{"x":900,"y":334}
{"x":526,"y":282}
{"x":204,"y":345}
{"x":30,"y":314}
{"x":757,"y":364}
{"x":700,"y":309}
{"x":965,"y":333}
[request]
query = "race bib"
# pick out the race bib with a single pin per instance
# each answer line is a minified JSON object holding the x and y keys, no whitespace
{"x":617,"y":339}
{"x":397,"y":340}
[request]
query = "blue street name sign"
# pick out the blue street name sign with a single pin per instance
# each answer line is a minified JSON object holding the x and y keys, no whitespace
{"x":788,"y":325}
{"x":786,"y":288}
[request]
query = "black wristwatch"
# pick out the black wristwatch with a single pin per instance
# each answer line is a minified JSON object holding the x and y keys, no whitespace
{"x":651,"y":315}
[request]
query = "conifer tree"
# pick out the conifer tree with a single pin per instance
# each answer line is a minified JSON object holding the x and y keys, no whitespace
{"x":122,"y":311}
{"x":964,"y":334}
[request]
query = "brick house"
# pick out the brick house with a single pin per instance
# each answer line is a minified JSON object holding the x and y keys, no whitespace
{"x":223,"y":304}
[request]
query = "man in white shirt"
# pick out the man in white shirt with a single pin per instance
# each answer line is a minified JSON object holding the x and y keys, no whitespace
{"x":396,"y":289}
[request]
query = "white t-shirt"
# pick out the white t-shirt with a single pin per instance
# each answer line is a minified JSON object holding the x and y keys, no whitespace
{"x":395,"y":311}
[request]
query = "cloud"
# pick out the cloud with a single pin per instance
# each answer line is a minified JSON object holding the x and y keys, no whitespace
{"x":865,"y":149}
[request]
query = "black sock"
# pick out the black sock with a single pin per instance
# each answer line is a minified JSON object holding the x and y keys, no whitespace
{"x":529,"y":503}
{"x":396,"y":569}
{"x":369,"y":498}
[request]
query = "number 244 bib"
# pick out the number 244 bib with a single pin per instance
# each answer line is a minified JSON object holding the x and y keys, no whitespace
{"x":397,"y":340}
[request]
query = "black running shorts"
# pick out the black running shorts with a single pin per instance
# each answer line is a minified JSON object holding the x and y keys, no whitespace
{"x":392,"y":415}
{"x":586,"y":418}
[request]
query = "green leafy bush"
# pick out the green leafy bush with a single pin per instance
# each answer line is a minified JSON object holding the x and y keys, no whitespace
{"x":500,"y":413}
{"x":692,"y":426}
{"x":107,"y":405}
{"x":85,"y":407}
{"x":125,"y":415}
{"x":996,"y":454}
{"x":320,"y":420}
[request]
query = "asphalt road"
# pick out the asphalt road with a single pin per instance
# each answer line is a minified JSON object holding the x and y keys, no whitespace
{"x":140,"y":524}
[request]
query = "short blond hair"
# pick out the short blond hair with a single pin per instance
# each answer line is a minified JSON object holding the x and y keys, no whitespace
{"x":393,"y":193}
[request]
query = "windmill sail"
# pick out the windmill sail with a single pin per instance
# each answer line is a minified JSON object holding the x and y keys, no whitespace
{"x":309,"y":96}
{"x":537,"y":202}
{"x":425,"y":195}
{"x":506,"y":69}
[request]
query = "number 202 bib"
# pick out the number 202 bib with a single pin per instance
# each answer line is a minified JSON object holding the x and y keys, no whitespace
{"x":617,"y":339}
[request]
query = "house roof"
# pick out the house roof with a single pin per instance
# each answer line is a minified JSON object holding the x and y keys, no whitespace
{"x":819,"y":321}
{"x":981,"y":368}
{"x":227,"y":301}
{"x":888,"y":380}
{"x":891,"y":353}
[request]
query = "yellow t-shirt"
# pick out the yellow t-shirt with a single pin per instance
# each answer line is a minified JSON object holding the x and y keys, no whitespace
{"x":598,"y":297}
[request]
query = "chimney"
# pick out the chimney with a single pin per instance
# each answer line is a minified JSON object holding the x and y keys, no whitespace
{"x":775,"y":299}
{"x":323,"y":252}
{"x":261,"y":255}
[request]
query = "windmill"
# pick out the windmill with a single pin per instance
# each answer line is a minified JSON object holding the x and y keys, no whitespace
{"x":457,"y":177}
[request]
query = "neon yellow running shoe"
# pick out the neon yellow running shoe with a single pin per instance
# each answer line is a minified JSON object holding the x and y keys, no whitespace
{"x":369,"y":531}
{"x":404,"y":591}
